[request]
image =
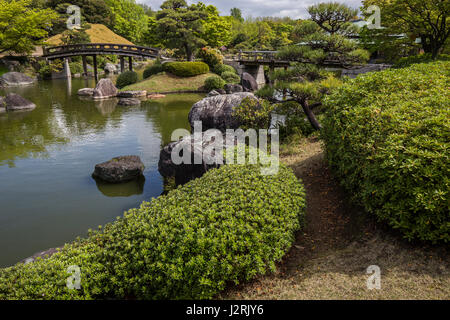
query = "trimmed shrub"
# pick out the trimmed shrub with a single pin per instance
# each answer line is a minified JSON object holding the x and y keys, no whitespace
{"x":210,"y":56}
{"x":230,"y":77}
{"x":152,"y":70}
{"x":221,"y":68}
{"x":214,"y":82}
{"x":228,"y":226}
{"x":186,"y":69}
{"x":126,"y":78}
{"x":253,"y":113}
{"x":387,"y":137}
{"x":420,"y":58}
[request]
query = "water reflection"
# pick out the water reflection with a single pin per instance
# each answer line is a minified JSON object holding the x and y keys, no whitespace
{"x":130,"y":188}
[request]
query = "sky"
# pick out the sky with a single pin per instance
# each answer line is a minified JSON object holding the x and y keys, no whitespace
{"x":256,"y":8}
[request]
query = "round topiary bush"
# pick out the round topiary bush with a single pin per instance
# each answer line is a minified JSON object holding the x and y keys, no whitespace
{"x":230,"y":77}
{"x":211,"y":56}
{"x":228,"y":226}
{"x":152,"y":70}
{"x":186,"y":69}
{"x":214,"y":82}
{"x":221,"y":68}
{"x":387,"y":137}
{"x":126,"y":78}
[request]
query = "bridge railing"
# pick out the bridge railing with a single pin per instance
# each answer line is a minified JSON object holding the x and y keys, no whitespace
{"x":255,"y":56}
{"x":99,"y":47}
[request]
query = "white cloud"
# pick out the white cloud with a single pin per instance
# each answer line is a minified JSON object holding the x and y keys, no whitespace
{"x":257,"y":8}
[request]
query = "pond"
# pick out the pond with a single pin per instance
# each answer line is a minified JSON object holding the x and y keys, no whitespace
{"x":47,"y":156}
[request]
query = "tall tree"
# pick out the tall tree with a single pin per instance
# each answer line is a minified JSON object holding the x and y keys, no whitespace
{"x":236,"y":13}
{"x":427,"y":19}
{"x":22,"y":27}
{"x":332,"y":16}
{"x":181,"y":26}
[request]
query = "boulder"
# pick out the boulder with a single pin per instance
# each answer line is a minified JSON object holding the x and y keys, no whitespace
{"x":156,"y":96}
{"x":15,"y":102}
{"x":213,"y":93}
{"x":119,"y":169}
{"x":129,"y":102}
{"x":132,"y":94}
{"x":233,"y":88}
{"x":2,"y":104}
{"x":216,"y":112}
{"x":249,"y":83}
{"x":41,"y":255}
{"x":86,"y":92}
{"x":184,"y":172}
{"x":110,"y":68}
{"x":15,"y":79}
{"x":105,"y":89}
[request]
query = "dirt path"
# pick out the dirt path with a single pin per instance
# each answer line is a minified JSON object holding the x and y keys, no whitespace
{"x":331,"y":254}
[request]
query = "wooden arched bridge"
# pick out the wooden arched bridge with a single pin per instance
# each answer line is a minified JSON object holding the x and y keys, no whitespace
{"x":94,"y":49}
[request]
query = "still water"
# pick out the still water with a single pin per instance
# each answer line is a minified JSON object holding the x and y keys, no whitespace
{"x":47,"y":194}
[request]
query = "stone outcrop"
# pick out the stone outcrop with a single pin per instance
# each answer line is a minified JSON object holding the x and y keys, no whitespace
{"x":233,"y":88}
{"x":105,"y":89}
{"x":216,"y":112}
{"x":129,"y":102}
{"x":110,"y":68}
{"x":132,"y":94}
{"x":156,"y":96}
{"x":119,"y":169}
{"x":86,"y":92}
{"x":15,"y":102}
{"x":15,"y":79}
{"x":185,"y":172}
{"x":248,"y":83}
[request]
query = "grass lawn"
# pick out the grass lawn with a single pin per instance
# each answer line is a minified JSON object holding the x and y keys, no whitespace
{"x":164,"y":82}
{"x":330,"y":256}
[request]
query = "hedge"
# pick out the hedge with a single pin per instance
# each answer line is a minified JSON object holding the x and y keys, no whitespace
{"x":186,"y":69}
{"x":221,"y":68}
{"x":420,"y":58}
{"x":230,"y":77}
{"x":387,"y":137}
{"x":126,"y":78}
{"x":226,"y":227}
{"x":152,"y":70}
{"x":214,"y":82}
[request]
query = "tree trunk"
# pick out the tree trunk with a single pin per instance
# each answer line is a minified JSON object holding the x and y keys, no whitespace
{"x":310,"y":115}
{"x":189,"y":54}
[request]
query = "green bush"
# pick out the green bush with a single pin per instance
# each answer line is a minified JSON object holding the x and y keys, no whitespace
{"x":387,"y":137}
{"x":214,"y":82}
{"x":255,"y":114}
{"x":221,"y":68}
{"x":76,"y":67}
{"x":210,"y":56}
{"x":152,"y":70}
{"x":186,"y":69}
{"x":420,"y":58}
{"x":230,"y":77}
{"x":126,"y":78}
{"x":226,"y":227}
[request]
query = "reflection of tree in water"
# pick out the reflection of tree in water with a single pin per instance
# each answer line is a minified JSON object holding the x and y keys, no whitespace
{"x":127,"y":189}
{"x":170,"y":113}
{"x":58,"y":118}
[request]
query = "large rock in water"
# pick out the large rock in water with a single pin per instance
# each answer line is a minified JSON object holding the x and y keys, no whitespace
{"x":110,"y":68}
{"x":105,"y":89}
{"x":132,"y":94}
{"x":119,"y":169}
{"x":216,"y":112}
{"x":15,"y":102}
{"x":184,"y":172}
{"x":88,"y":92}
{"x":248,"y":82}
{"x":15,"y":79}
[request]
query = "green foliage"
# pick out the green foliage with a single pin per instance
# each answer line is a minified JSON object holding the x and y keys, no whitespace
{"x":332,"y":17}
{"x":213,"y":83}
{"x":186,"y":68}
{"x":221,"y":68}
{"x":22,"y":26}
{"x":75,"y":67}
{"x":76,"y":36}
{"x":212,"y":57}
{"x":387,"y":137}
{"x":216,"y":28}
{"x":230,"y":77}
{"x":130,"y":19}
{"x":229,"y":226}
{"x":421,"y":58}
{"x":126,"y":78}
{"x":152,"y":70}
{"x":255,"y":114}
